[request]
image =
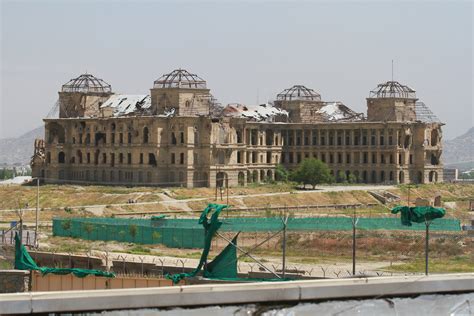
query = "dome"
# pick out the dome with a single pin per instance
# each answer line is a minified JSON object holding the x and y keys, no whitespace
{"x":298,"y":92}
{"x":180,"y":78}
{"x":393,"y":89}
{"x":87,"y":83}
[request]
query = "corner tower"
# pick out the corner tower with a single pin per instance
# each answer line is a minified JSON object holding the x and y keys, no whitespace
{"x":82,"y":96}
{"x":391,"y":102}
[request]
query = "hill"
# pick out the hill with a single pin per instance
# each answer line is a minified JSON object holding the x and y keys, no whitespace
{"x":20,"y":149}
{"x":459,"y":151}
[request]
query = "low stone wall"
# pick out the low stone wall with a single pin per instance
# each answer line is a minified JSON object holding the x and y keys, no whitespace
{"x":13,"y":281}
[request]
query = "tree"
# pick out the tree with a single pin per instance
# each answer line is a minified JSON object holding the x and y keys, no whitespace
{"x":352,"y":178}
{"x":281,"y":173}
{"x":133,"y":231}
{"x":341,"y":177}
{"x":89,"y":228}
{"x":66,"y":225}
{"x":312,"y":171}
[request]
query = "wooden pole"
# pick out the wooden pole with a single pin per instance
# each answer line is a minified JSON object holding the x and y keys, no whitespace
{"x":285,"y":221}
{"x":37,"y":212}
{"x":427,"y":242}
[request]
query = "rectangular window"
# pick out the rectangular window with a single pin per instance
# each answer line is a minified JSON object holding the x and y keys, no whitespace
{"x":239,"y":157}
{"x":129,"y":158}
{"x":323,"y":157}
{"x":290,"y":157}
{"x":112,"y":159}
{"x":173,"y":158}
{"x":366,"y":157}
{"x":348,"y":158}
{"x":374,"y":158}
{"x":411,"y":159}
{"x":298,"y":157}
{"x":181,"y":158}
{"x":331,"y":158}
{"x":104,"y":158}
{"x":323,"y":141}
{"x":141,"y":158}
{"x":181,"y":137}
{"x":121,"y":138}
{"x":339,"y":158}
{"x":120,"y":158}
{"x":88,"y":158}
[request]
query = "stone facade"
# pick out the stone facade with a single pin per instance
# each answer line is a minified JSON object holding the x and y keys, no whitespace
{"x":173,"y":140}
{"x":14,"y":281}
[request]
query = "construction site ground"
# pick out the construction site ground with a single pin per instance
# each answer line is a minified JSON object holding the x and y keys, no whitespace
{"x":318,"y":253}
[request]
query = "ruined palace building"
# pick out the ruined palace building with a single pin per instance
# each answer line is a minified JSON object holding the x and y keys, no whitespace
{"x":179,"y":135}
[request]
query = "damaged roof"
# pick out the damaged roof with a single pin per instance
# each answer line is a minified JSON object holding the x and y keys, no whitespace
{"x":125,"y":104}
{"x":259,"y":113}
{"x":424,"y":114}
{"x":337,"y":111}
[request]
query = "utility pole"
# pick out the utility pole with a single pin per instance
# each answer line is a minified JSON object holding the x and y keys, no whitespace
{"x":227,"y":187}
{"x":354,"y":224}
{"x":427,"y":242}
{"x":283,"y":245}
{"x":37,"y":212}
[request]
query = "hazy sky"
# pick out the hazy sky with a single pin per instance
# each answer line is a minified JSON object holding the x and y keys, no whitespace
{"x":244,"y":50}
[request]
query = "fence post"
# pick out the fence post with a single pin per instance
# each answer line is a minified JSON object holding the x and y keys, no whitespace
{"x":427,"y":238}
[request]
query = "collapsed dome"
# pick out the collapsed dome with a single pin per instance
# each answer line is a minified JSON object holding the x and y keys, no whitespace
{"x":87,"y":83}
{"x":298,"y":92}
{"x":393,"y":89}
{"x":180,"y":78}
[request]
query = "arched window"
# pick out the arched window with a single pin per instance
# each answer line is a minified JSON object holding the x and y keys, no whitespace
{"x":61,"y":157}
{"x":79,"y":156}
{"x":145,"y":135}
{"x":241,"y":178}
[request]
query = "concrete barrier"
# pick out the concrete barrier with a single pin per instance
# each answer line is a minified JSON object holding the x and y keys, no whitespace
{"x":201,"y":295}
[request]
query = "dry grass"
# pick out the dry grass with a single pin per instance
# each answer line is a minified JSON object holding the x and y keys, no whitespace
{"x":71,"y":195}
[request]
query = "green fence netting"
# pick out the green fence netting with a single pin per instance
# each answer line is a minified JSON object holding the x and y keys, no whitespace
{"x":187,"y":233}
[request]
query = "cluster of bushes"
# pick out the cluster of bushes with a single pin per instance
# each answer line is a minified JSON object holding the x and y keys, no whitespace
{"x":313,"y":172}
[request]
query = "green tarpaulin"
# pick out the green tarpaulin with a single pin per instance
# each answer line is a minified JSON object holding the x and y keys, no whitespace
{"x":225,"y":264}
{"x":418,"y":214}
{"x":211,"y":226}
{"x":23,"y":261}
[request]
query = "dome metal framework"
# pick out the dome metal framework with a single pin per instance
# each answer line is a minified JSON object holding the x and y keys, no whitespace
{"x":87,"y":83}
{"x":393,"y":89}
{"x":180,"y":78}
{"x":298,"y":92}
